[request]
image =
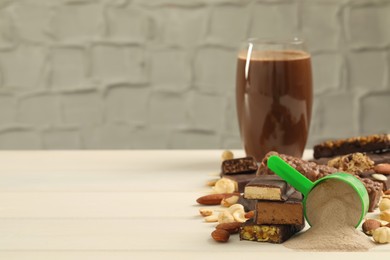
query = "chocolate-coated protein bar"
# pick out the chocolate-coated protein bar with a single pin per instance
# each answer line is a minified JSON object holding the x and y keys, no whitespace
{"x":267,"y":233}
{"x":371,"y":143}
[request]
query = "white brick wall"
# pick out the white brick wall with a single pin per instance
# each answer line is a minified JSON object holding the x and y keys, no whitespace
{"x":120,"y":74}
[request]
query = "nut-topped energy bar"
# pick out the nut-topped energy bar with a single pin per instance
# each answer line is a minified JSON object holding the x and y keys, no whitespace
{"x":268,"y":233}
{"x":370,"y":143}
{"x":355,"y":163}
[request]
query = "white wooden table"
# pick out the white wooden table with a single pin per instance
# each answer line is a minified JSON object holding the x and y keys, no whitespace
{"x":116,"y":205}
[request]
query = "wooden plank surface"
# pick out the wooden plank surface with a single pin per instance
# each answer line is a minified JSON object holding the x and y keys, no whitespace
{"x":112,"y":205}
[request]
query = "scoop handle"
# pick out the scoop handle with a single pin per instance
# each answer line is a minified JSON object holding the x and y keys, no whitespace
{"x":290,"y":174}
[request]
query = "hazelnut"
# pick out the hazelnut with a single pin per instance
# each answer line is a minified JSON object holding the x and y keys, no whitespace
{"x":384,"y":204}
{"x":227,"y":155}
{"x":385,"y":215}
{"x":382,"y":235}
{"x":370,"y":225}
{"x":224,"y":185}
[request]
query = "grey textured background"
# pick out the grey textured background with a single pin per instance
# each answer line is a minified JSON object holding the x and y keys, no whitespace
{"x":161,"y":73}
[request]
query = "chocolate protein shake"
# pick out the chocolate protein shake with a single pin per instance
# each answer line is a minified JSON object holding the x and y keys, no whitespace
{"x":274,"y":101}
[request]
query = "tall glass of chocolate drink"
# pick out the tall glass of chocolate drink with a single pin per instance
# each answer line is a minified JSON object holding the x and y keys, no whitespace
{"x":274,"y":96}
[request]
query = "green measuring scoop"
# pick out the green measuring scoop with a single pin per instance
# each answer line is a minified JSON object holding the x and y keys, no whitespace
{"x":304,"y":185}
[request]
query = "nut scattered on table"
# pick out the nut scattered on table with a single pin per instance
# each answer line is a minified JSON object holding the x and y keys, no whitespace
{"x":213,"y":199}
{"x":220,"y":235}
{"x":382,"y":235}
{"x":212,"y":182}
{"x":227,"y":155}
{"x":384,"y":204}
{"x":379,"y":177}
{"x":224,"y":185}
{"x":205,"y":212}
{"x":232,"y":227}
{"x":225,"y":217}
{"x":239,"y":216}
{"x":370,"y":225}
{"x":211,"y":218}
{"x":385,"y":215}
{"x":227,"y":202}
{"x":249,"y":214}
{"x":235,"y":207}
{"x":383,"y":168}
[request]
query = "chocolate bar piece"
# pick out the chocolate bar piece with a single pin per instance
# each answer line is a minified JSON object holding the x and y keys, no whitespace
{"x":268,"y":233}
{"x":249,"y":205}
{"x":374,"y":190}
{"x":241,"y":180}
{"x":383,"y":179}
{"x":371,"y":143}
{"x":314,"y":172}
{"x":377,"y":158}
{"x":281,"y":212}
{"x":268,"y":187}
{"x":239,"y":166}
{"x":354,"y":163}
{"x":310,"y":169}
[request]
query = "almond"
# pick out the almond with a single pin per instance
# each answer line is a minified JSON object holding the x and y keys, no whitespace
{"x":214,"y":199}
{"x":220,"y":235}
{"x":250,"y":214}
{"x":232,"y":227}
{"x":383,"y":168}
